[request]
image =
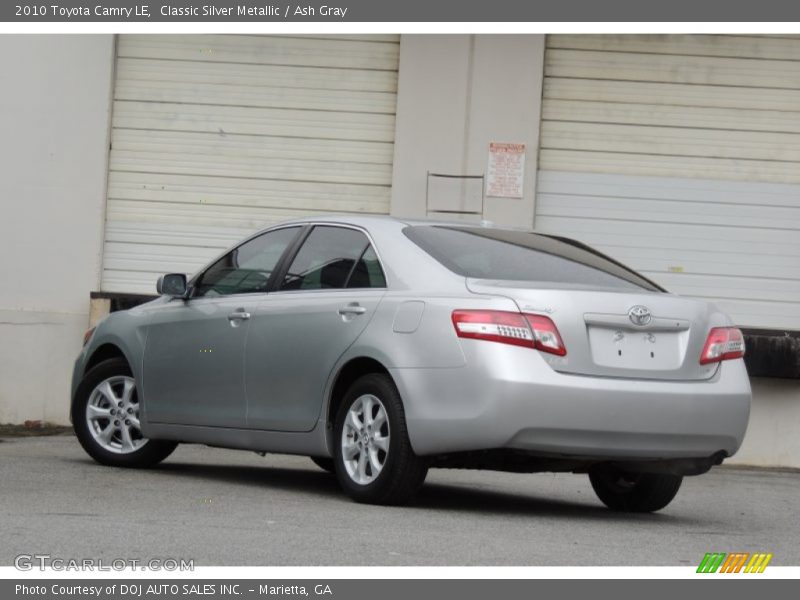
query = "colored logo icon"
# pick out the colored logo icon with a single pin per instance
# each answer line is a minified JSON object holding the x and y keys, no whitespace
{"x":736,"y":562}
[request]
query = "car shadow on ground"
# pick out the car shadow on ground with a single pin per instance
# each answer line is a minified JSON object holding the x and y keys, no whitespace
{"x":437,"y":496}
{"x":311,"y":481}
{"x":432,"y":497}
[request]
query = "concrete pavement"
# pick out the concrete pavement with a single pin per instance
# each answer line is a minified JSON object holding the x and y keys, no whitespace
{"x":224,"y":507}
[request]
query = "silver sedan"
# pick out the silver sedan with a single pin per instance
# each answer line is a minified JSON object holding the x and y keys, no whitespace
{"x":382,"y":348}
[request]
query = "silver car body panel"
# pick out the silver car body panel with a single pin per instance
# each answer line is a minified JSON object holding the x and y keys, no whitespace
{"x":459,"y":394}
{"x":509,"y":399}
{"x":295,"y":339}
{"x":193,"y":357}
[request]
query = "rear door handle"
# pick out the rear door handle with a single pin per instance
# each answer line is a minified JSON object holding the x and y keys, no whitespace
{"x":239,"y":315}
{"x":352,"y":309}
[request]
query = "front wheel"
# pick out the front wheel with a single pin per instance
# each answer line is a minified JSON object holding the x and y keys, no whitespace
{"x":633,"y":492}
{"x":105,"y":416}
{"x":373,"y":457}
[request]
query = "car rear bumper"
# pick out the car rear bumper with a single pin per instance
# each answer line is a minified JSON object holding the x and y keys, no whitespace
{"x":508,"y":397}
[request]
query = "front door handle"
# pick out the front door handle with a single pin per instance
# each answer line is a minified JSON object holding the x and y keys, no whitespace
{"x":352,"y":309}
{"x":239,"y":315}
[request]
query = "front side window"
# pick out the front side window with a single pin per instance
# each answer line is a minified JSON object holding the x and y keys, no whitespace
{"x":334,"y":258}
{"x":247,"y":268}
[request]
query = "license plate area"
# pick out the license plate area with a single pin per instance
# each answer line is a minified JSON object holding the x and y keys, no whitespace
{"x":639,"y":350}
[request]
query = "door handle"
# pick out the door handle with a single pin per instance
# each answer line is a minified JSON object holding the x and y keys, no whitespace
{"x":352,"y":309}
{"x":239,"y":315}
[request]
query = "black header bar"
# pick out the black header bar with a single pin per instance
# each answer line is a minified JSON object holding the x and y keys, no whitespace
{"x":336,"y":11}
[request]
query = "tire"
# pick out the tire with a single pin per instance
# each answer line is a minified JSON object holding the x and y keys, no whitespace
{"x":401,"y":473}
{"x":92,"y":419}
{"x":324,"y":463}
{"x":633,"y":492}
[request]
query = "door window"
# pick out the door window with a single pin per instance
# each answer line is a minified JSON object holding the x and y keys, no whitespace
{"x":367,"y":272}
{"x":334,"y":258}
{"x":247,"y":268}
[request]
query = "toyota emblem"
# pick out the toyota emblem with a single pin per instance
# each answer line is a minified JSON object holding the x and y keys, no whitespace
{"x":639,"y":315}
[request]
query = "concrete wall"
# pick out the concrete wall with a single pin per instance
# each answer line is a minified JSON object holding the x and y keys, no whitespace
{"x":457,"y":93}
{"x":773,"y":435}
{"x":54,"y":118}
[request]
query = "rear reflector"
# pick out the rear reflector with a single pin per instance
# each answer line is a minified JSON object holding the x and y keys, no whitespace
{"x":517,"y":329}
{"x":723,"y":343}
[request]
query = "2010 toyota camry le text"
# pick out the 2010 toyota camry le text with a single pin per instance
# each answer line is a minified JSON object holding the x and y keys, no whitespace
{"x":382,"y":348}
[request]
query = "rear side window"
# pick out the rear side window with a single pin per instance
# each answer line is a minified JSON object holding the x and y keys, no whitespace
{"x":367,"y":272}
{"x":521,"y":256}
{"x":334,"y":258}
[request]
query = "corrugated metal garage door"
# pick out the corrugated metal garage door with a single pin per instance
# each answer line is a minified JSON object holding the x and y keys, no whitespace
{"x":214,"y":137}
{"x":680,"y":155}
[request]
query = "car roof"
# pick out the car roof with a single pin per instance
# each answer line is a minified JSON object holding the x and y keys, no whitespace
{"x":367,"y":220}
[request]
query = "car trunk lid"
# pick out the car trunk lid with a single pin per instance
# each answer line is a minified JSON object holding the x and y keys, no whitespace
{"x":613,"y":333}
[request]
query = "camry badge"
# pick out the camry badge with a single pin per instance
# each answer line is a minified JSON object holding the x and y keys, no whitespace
{"x":639,"y":315}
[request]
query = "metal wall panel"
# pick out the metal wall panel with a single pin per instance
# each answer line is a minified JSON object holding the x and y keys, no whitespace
{"x":680,"y":155}
{"x":733,"y":243}
{"x":214,"y":137}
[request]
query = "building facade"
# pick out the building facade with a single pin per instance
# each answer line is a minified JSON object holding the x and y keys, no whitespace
{"x":125,"y":157}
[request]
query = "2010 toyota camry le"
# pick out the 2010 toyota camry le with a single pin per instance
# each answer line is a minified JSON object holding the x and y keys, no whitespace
{"x":382,"y":347}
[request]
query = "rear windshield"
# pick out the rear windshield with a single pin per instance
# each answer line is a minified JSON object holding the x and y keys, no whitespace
{"x":521,"y":256}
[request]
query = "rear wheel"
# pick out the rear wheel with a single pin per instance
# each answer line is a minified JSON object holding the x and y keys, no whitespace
{"x":373,"y":457}
{"x":105,"y":416}
{"x":633,"y":492}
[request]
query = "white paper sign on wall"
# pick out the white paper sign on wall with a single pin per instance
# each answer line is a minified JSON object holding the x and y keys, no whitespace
{"x":506,"y":171}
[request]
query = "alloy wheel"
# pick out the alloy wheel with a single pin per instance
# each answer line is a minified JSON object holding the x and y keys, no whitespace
{"x":365,"y":439}
{"x":112,"y":415}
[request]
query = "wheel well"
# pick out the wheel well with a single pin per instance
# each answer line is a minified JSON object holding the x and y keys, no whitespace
{"x":354,"y":369}
{"x":104,"y":352}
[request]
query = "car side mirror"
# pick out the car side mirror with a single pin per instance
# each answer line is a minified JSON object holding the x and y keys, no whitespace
{"x":173,"y":285}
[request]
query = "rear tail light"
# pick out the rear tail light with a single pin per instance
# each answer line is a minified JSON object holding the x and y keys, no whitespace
{"x":546,"y":334}
{"x":517,"y":329}
{"x":88,"y":335}
{"x":723,"y":343}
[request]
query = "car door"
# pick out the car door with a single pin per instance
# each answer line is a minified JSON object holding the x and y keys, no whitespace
{"x":320,"y":305}
{"x":193,"y":369}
